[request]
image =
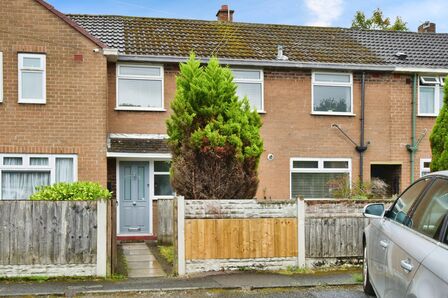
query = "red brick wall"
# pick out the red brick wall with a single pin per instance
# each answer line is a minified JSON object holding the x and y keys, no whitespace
{"x":74,"y":118}
{"x":290,"y":130}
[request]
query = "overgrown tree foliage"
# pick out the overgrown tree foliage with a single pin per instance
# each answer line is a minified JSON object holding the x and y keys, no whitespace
{"x":214,"y":136}
{"x":439,"y":137}
{"x":378,"y":22}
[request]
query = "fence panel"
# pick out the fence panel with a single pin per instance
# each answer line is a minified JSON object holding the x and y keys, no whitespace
{"x":48,"y":238}
{"x":165,"y":221}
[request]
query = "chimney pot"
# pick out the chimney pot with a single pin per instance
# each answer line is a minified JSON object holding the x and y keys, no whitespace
{"x":225,"y":14}
{"x":427,"y":27}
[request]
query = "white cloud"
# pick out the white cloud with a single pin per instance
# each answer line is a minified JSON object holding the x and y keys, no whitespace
{"x":324,"y":12}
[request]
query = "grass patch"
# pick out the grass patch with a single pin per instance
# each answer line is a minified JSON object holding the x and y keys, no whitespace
{"x":291,"y":270}
{"x":122,"y":265}
{"x":167,"y":253}
{"x":357,"y":277}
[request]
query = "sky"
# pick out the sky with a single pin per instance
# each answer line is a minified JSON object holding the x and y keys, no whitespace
{"x":336,"y":13}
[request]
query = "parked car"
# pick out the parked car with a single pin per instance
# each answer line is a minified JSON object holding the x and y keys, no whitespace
{"x":406,"y":246}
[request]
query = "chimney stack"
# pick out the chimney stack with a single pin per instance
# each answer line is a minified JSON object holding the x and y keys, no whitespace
{"x":224,"y":14}
{"x":427,"y":27}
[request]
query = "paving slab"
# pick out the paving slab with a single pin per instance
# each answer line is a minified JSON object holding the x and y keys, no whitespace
{"x":235,"y":280}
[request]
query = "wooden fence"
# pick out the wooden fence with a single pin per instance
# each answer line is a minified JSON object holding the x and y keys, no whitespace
{"x":240,"y":238}
{"x":165,"y":221}
{"x":53,"y":238}
{"x":213,"y":235}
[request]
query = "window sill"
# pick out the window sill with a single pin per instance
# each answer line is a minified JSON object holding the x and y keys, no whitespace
{"x":140,"y":109}
{"x":427,"y":115}
{"x":333,"y":114}
{"x":32,"y":101}
{"x":261,"y":112}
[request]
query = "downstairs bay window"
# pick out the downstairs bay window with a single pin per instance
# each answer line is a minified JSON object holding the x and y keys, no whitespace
{"x":21,"y":174}
{"x":315,"y":177}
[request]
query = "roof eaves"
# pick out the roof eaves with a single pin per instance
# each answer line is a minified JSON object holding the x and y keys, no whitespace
{"x":72,"y":24}
{"x":253,"y":62}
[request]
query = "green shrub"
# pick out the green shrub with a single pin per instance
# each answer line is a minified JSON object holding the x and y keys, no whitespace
{"x":76,"y":191}
{"x":439,"y":138}
{"x":375,"y":189}
{"x":214,"y":136}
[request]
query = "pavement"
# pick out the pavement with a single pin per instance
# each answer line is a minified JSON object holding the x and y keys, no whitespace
{"x":222,"y":281}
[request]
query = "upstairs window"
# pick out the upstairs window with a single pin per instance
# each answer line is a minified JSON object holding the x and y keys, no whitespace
{"x":32,"y":80}
{"x":430,"y":95}
{"x":139,"y":87}
{"x":332,"y":93}
{"x":316,"y":177}
{"x":250,"y":83}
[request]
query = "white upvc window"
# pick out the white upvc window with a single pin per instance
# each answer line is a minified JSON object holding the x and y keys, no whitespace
{"x":21,"y":174}
{"x":332,"y":93}
{"x":430,"y":95}
{"x":1,"y":77}
{"x":162,"y":184}
{"x":140,"y":87}
{"x":425,"y":166}
{"x":250,"y":83}
{"x":314,"y":177}
{"x":32,"y":78}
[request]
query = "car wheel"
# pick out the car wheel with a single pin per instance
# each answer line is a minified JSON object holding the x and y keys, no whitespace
{"x":367,"y":286}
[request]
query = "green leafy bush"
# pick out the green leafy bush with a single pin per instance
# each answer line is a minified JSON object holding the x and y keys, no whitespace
{"x":76,"y":191}
{"x":439,"y":138}
{"x":214,"y":136}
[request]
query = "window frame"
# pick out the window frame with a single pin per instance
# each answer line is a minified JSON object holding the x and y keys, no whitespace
{"x":160,"y":78}
{"x":42,"y":69}
{"x":1,"y":77}
{"x":331,"y":84}
{"x":422,"y":166}
{"x":320,"y":168}
{"x":253,"y":81}
{"x":436,"y":85}
{"x":27,"y":167}
{"x":153,"y":179}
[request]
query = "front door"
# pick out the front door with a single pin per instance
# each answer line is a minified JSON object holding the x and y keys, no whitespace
{"x":134,"y":198}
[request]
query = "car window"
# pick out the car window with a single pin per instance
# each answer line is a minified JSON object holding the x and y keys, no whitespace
{"x":402,"y":206}
{"x":432,"y":211}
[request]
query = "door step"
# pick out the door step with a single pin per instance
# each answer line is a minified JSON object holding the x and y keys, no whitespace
{"x":140,"y":261}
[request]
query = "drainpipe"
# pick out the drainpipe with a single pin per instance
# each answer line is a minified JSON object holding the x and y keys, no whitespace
{"x":362,"y":147}
{"x":412,"y":148}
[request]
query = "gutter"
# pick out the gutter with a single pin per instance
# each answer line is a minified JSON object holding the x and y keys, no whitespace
{"x":283,"y":63}
{"x":253,"y":62}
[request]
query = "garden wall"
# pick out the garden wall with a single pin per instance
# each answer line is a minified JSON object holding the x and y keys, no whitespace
{"x":53,"y":238}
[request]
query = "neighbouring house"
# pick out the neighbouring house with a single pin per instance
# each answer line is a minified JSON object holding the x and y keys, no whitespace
{"x":86,"y":97}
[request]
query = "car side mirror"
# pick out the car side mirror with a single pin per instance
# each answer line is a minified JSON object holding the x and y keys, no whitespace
{"x":375,"y":210}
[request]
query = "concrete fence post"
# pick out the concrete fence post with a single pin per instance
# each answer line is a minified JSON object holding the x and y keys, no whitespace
{"x":181,"y":236}
{"x":101,"y":242}
{"x":301,"y":232}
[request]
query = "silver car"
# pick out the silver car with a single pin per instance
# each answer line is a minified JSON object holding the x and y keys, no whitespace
{"x":406,"y":246}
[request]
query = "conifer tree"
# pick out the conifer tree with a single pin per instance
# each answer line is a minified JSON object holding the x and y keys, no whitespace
{"x":439,"y":137}
{"x":214,"y":136}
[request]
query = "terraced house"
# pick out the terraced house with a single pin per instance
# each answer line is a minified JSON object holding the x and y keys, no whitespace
{"x":85,"y":97}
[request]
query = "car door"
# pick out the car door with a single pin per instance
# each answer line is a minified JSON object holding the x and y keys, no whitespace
{"x":430,"y":220}
{"x":385,"y":230}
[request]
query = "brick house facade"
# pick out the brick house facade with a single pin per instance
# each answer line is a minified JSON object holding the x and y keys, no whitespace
{"x":86,"y":114}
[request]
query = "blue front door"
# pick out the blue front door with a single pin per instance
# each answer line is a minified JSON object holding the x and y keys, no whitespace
{"x":134,"y":198}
